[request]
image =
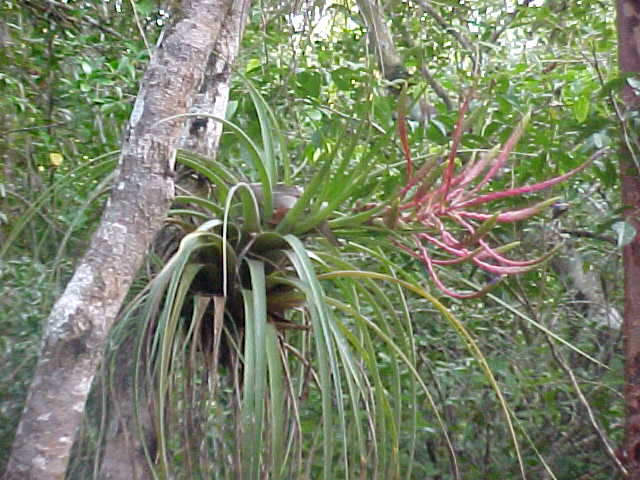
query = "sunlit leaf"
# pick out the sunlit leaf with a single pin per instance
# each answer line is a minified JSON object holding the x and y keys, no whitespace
{"x":626,"y":233}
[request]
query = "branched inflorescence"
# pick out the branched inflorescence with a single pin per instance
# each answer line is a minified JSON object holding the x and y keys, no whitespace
{"x":442,"y":205}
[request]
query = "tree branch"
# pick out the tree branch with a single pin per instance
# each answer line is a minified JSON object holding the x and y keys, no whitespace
{"x":451,"y":30}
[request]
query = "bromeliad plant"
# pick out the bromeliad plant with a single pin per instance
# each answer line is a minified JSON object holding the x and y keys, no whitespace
{"x":443,"y":203}
{"x":239,"y":294}
{"x":262,"y":335}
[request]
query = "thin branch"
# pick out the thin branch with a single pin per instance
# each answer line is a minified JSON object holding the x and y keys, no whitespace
{"x":585,"y":403}
{"x":28,"y":203}
{"x":35,"y":127}
{"x":450,"y":29}
{"x":426,"y":73}
{"x":440,"y":91}
{"x":53,"y":4}
{"x":140,"y":29}
{"x":588,"y":234}
{"x":512,"y":16}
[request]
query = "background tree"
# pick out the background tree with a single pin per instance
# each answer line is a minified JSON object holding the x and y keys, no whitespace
{"x":629,"y":63}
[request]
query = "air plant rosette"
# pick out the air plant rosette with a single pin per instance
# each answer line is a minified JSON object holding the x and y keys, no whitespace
{"x":443,"y":206}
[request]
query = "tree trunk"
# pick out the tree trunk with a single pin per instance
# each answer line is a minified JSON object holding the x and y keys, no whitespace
{"x":129,"y":430}
{"x":124,"y":456}
{"x":202,"y":135}
{"x":391,"y":64}
{"x":569,"y":266}
{"x":628,"y":24}
{"x":77,"y":328}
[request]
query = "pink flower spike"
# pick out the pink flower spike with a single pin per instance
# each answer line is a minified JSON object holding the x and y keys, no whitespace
{"x":455,"y":194}
{"x":508,"y":147}
{"x":443,"y":245}
{"x":513,"y":216}
{"x":450,"y":239}
{"x":478,"y":252}
{"x":440,"y":195}
{"x":446,"y":236}
{"x":466,"y":225}
{"x":423,"y":174}
{"x":436,"y":279}
{"x":500,"y":270}
{"x":457,"y":137}
{"x":474,"y":169}
{"x":402,"y":132}
{"x":529,"y":188}
{"x":407,"y":250}
{"x":515,"y":263}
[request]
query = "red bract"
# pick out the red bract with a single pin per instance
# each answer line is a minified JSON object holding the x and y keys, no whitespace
{"x":438,"y":202}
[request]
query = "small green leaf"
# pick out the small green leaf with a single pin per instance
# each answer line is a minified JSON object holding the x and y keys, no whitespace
{"x":145,"y":7}
{"x":439,"y":126}
{"x":598,"y":140}
{"x":634,"y":82}
{"x":315,"y":115}
{"x":309,"y":83}
{"x":342,"y":77}
{"x":232,"y":107}
{"x":253,"y":64}
{"x":609,"y":174}
{"x":611,"y":86}
{"x":581,"y":108}
{"x":626,"y":233}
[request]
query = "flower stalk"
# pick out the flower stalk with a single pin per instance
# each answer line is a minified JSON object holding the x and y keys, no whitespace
{"x":443,"y":206}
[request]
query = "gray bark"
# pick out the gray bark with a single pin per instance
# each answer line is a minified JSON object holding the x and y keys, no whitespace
{"x":628,"y":27}
{"x":124,"y":456}
{"x":391,"y":64}
{"x":77,"y":327}
{"x":202,"y":135}
{"x":124,"y":449}
{"x":569,"y":265}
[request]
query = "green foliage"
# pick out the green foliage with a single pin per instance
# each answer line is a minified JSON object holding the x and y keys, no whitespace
{"x":22,"y":308}
{"x":338,"y":395}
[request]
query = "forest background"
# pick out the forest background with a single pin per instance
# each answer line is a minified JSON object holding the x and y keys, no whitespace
{"x":524,"y":380}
